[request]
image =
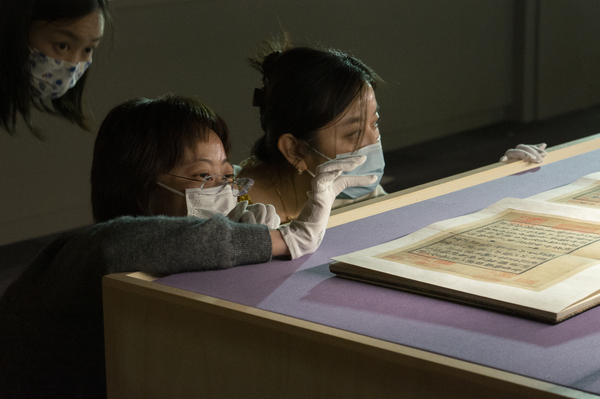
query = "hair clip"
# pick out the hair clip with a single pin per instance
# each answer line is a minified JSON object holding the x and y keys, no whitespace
{"x":259,"y":97}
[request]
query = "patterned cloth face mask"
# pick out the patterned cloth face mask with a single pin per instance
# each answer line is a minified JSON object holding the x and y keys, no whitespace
{"x":373,"y":166}
{"x":51,"y":77}
{"x":206,"y":202}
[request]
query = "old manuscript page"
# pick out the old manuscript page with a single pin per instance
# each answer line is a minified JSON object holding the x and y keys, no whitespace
{"x":585,"y":192}
{"x":539,"y":255}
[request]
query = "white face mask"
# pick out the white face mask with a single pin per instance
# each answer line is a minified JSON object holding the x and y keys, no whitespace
{"x":52,"y":78}
{"x":206,"y":202}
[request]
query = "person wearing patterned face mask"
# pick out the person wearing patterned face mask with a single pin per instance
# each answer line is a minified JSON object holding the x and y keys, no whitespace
{"x":44,"y":66}
{"x":52,"y":77}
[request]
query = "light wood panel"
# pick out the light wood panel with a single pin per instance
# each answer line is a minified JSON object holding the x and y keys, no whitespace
{"x":163,"y":342}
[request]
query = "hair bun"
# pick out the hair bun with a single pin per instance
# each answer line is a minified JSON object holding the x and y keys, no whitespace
{"x":268,"y":65}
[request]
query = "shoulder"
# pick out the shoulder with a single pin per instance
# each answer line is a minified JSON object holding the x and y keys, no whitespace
{"x":249,"y":167}
{"x":249,"y":162}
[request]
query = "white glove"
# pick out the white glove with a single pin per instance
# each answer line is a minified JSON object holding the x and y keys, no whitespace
{"x":304,"y":235}
{"x":255,"y":214}
{"x":526,"y":152}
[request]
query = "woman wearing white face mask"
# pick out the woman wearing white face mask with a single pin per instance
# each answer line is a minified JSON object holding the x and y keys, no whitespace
{"x":204,"y":179}
{"x":152,"y":159}
{"x":46,"y":46}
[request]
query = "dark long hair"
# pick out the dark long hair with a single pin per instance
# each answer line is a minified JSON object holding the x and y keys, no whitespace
{"x":16,"y":98}
{"x":139,"y":140}
{"x":304,"y":89}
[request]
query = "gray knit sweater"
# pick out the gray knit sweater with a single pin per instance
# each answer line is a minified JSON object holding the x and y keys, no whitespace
{"x":51,"y":329}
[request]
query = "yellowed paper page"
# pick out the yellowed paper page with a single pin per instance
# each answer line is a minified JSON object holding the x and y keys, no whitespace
{"x":585,"y":192}
{"x":534,"y":254}
{"x":519,"y":249}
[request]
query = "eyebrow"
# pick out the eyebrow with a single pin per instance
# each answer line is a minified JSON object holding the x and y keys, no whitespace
{"x":209,"y":161}
{"x":73,"y":36}
{"x":356,"y":119}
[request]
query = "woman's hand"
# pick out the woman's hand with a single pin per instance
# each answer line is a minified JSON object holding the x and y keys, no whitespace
{"x":255,"y":214}
{"x":526,"y":152}
{"x":304,"y":234}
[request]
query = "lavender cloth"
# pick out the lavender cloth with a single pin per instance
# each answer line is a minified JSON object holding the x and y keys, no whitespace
{"x":565,"y":354}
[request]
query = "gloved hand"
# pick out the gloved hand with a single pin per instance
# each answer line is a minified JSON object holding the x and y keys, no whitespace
{"x":255,"y":214}
{"x":304,"y":234}
{"x":526,"y":152}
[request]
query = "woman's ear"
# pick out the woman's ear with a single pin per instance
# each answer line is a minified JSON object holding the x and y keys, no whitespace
{"x":291,"y":148}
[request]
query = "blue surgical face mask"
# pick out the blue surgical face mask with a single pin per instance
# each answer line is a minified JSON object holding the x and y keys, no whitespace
{"x":373,"y":166}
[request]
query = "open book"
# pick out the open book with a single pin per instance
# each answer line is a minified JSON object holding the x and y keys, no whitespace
{"x":538,"y":257}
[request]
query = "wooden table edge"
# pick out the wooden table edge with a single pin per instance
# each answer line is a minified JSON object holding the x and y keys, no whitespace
{"x":142,"y":284}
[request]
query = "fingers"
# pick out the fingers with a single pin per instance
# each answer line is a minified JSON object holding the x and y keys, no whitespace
{"x":526,"y":152}
{"x":323,"y":180}
{"x":272,"y":220}
{"x":248,"y":217}
{"x":523,"y":155}
{"x":529,"y":153}
{"x":256,"y":213}
{"x":262,"y":214}
{"x":236,"y":213}
{"x":329,"y":171}
{"x":534,"y":151}
{"x":342,"y":164}
{"x":343,"y":182}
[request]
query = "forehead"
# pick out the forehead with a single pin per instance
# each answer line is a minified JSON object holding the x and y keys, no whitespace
{"x":210,"y":151}
{"x":89,"y":27}
{"x":364,"y":105}
{"x":365,"y":100}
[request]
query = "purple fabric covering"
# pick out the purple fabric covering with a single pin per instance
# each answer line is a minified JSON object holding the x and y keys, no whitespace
{"x":566,"y":354}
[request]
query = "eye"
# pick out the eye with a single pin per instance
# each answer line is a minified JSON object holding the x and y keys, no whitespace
{"x":200,"y":176}
{"x":88,"y":50}
{"x":62,"y":46}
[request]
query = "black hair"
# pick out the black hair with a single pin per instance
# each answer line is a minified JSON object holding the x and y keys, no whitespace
{"x":16,"y":97}
{"x":139,"y":140}
{"x":304,"y":89}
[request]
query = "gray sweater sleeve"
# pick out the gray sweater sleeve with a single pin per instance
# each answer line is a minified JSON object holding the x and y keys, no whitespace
{"x":169,"y":244}
{"x":52,"y":314}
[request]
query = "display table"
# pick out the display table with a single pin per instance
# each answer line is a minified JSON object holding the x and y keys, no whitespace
{"x":292,"y":329}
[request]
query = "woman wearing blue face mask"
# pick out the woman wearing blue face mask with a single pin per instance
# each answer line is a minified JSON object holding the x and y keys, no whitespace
{"x":46,"y":46}
{"x":315,"y":106}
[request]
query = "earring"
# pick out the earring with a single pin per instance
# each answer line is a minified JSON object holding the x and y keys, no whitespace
{"x":298,"y":168}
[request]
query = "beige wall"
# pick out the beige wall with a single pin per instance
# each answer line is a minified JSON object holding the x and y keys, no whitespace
{"x":448,"y":65}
